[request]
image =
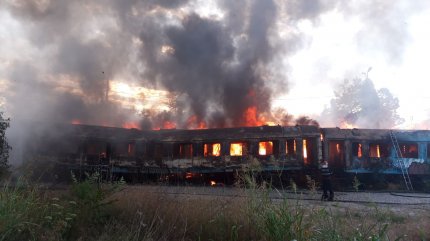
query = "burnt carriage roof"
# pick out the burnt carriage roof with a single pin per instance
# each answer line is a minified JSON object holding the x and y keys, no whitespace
{"x":112,"y":133}
{"x":376,"y":134}
{"x":239,"y":133}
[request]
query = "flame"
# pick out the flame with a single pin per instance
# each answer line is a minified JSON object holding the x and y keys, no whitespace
{"x":378,"y":152}
{"x":295,"y":146}
{"x":130,"y":125}
{"x":346,"y":125}
{"x":360,"y":153}
{"x":212,"y":149}
{"x":194,"y":123}
{"x":236,"y":149}
{"x":265,"y":148}
{"x":76,"y":122}
{"x":305,"y":152}
{"x":166,"y":125}
{"x":321,"y":137}
{"x":188,"y":175}
{"x":213,"y":183}
{"x":337,"y":148}
{"x":253,"y":118}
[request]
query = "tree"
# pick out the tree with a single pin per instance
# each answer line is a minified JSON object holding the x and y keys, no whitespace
{"x":4,"y":146}
{"x":357,"y":103}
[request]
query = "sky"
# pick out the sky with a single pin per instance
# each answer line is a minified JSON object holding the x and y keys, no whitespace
{"x":207,"y":63}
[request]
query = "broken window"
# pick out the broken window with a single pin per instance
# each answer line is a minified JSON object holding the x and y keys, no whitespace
{"x":357,"y":149}
{"x":291,"y":147}
{"x":212,"y":149}
{"x":265,"y":148}
{"x":158,"y":151}
{"x":183,"y":150}
{"x":96,"y":148}
{"x":125,"y":149}
{"x":238,"y":148}
{"x":336,"y":153}
{"x":409,"y":150}
{"x":309,"y":150}
{"x":378,"y":150}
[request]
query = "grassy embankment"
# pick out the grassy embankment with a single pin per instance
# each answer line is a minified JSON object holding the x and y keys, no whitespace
{"x":94,"y":211}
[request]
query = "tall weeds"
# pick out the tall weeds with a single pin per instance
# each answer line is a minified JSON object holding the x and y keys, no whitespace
{"x":93,"y":210}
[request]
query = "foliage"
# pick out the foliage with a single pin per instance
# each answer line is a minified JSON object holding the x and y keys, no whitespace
{"x":356,"y":183}
{"x":4,"y":146}
{"x":358,"y":103}
{"x":93,"y":196}
{"x":25,"y":214}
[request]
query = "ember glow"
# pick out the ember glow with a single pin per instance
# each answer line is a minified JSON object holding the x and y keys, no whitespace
{"x":360,"y":153}
{"x":76,"y":122}
{"x":212,"y":149}
{"x":130,"y":125}
{"x":236,"y":149}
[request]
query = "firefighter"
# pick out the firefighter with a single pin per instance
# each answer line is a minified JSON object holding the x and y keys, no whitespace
{"x":326,"y":182}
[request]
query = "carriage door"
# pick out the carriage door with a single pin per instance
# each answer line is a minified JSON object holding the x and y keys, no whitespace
{"x":336,"y":154}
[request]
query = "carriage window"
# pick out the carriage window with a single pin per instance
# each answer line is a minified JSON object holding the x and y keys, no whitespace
{"x":409,"y":150}
{"x":238,"y":149}
{"x":212,"y":149}
{"x":96,"y":148}
{"x":428,"y":150}
{"x":291,"y":147}
{"x":378,"y":150}
{"x":265,"y":148}
{"x":357,"y":149}
{"x":125,"y":149}
{"x":183,"y":150}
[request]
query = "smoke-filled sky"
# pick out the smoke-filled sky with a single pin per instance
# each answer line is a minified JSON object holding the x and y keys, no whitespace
{"x":202,"y":63}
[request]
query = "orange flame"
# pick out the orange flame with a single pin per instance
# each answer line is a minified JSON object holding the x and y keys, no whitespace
{"x":213,"y":183}
{"x":265,"y":148}
{"x":236,"y":149}
{"x":251,"y":118}
{"x":378,"y":152}
{"x":360,"y":153}
{"x":346,"y":125}
{"x":212,"y":149}
{"x":305,"y":152}
{"x":194,"y":123}
{"x":130,"y":125}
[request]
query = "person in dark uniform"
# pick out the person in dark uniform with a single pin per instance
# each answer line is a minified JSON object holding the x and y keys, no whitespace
{"x":326,"y":182}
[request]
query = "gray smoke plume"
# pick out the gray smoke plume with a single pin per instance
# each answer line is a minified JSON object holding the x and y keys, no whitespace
{"x":220,"y":66}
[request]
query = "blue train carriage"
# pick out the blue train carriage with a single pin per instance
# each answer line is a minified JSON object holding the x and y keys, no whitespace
{"x":372,"y":150}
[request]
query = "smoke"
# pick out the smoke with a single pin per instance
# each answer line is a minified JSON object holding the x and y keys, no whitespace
{"x":223,"y":61}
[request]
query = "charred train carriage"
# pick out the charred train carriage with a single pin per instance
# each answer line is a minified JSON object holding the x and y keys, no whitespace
{"x":217,"y":154}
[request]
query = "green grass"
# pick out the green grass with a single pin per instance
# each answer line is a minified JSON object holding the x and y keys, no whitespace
{"x":92,"y":210}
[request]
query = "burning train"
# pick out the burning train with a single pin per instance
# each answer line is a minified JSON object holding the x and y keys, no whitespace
{"x":215,"y":155}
